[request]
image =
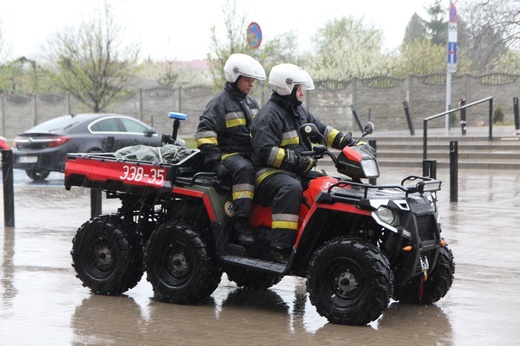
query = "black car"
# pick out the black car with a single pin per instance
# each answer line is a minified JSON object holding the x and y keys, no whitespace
{"x":43,"y":148}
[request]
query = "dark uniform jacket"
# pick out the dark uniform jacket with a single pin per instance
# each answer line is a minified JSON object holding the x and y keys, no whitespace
{"x":276,"y":137}
{"x":224,"y":126}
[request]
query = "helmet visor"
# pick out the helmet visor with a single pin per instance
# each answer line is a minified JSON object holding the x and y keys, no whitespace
{"x":308,"y":84}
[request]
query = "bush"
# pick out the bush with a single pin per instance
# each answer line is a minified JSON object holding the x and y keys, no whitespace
{"x":498,"y":116}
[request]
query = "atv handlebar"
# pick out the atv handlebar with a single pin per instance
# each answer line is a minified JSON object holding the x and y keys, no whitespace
{"x":319,"y":152}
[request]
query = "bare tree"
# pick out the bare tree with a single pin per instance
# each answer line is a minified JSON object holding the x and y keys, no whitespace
{"x":91,"y":62}
{"x":235,"y":41}
{"x":493,"y":28}
{"x":276,"y":50}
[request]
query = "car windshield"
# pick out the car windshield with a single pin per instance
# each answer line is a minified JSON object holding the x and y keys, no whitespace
{"x":54,"y":125}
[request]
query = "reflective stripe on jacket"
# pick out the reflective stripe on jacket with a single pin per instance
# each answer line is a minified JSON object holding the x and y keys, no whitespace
{"x":223,"y":127}
{"x":276,"y":136}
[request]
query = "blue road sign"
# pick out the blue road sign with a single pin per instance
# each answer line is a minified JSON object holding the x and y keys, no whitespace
{"x":254,"y":35}
{"x":452,"y":52}
{"x":453,"y":14}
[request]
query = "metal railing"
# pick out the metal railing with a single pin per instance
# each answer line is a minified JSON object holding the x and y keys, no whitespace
{"x":462,"y":108}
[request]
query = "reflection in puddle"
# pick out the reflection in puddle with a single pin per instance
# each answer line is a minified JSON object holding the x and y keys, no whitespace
{"x":42,"y":300}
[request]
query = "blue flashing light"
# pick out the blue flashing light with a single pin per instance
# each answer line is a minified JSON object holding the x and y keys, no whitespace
{"x":179,"y":116}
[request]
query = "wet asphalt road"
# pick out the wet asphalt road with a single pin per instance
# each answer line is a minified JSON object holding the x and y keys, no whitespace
{"x":42,"y":303}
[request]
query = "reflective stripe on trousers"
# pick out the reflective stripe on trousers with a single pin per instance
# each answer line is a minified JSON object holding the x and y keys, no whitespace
{"x":243,"y":183}
{"x":284,"y":193}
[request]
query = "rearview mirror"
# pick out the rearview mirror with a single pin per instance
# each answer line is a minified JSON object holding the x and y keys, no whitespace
{"x":149,"y":132}
{"x":369,"y":128}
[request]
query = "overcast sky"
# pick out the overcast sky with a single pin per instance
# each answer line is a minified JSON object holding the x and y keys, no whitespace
{"x":180,"y":30}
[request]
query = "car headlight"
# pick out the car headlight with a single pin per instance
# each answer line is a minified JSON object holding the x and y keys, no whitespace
{"x":387,"y":215}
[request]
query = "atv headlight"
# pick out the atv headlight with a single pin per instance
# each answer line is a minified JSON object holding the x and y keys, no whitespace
{"x":387,"y":215}
{"x":429,"y":186}
{"x":370,"y":168}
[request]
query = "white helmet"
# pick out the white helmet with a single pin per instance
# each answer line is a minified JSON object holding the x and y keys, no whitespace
{"x":284,"y":77}
{"x":242,"y":65}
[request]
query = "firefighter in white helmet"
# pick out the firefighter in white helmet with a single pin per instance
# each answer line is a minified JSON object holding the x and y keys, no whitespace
{"x":223,"y":137}
{"x":277,"y":145}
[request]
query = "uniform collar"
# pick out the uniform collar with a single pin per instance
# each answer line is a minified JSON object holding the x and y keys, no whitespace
{"x":234,"y":92}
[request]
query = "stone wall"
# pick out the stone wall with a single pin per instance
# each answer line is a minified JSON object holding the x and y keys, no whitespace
{"x":379,"y":98}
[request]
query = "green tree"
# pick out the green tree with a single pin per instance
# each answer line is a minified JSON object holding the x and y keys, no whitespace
{"x":4,"y":72}
{"x":421,"y":57}
{"x":347,"y":48}
{"x":509,"y":62}
{"x":415,"y":30}
{"x":91,"y":63}
{"x":437,"y":26}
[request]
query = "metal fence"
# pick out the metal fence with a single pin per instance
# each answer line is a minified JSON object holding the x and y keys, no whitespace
{"x":381,"y":97}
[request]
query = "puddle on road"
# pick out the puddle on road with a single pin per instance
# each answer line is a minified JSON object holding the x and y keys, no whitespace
{"x":41,"y":299}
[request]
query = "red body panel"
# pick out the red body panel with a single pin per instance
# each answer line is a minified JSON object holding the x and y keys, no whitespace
{"x":262,"y":215}
{"x":141,"y":174}
{"x":352,"y":154}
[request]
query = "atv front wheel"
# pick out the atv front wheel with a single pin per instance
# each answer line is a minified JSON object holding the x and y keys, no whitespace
{"x":349,"y":281}
{"x":181,"y":263}
{"x":252,"y":279}
{"x":436,"y":285}
{"x":107,"y":254}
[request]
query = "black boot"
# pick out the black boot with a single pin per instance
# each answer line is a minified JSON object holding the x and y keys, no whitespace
{"x":245,"y":231}
{"x":280,"y":255}
{"x":246,"y":239}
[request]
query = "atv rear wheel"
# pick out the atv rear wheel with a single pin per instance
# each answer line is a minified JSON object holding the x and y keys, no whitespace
{"x":349,"y":281}
{"x":107,"y":254}
{"x":181,"y":263}
{"x":251,"y":279}
{"x":436,"y":286}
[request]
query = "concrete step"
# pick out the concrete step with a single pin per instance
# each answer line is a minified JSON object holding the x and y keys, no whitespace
{"x":504,"y":165}
{"x":473,"y":152}
{"x":384,"y":154}
{"x":505,"y":147}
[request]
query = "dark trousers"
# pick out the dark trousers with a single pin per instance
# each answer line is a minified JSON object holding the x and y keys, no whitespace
{"x":243,"y":184}
{"x":284,"y":193}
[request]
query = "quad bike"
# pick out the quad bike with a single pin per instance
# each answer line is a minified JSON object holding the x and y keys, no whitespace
{"x":358,"y":245}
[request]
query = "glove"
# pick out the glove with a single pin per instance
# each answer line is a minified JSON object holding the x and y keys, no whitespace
{"x":296,"y":163}
{"x":346,"y":141}
{"x":305,"y":164}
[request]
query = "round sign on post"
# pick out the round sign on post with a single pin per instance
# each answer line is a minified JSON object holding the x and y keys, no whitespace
{"x":254,"y":35}
{"x":453,"y":13}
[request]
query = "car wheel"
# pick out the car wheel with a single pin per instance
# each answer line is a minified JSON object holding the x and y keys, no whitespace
{"x":37,"y":175}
